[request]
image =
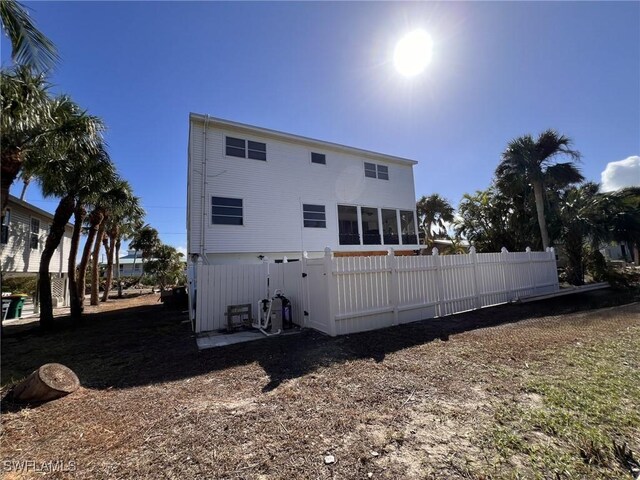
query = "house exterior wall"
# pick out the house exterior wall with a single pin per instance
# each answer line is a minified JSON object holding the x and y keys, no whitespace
{"x":17,"y":256}
{"x":274,"y":191}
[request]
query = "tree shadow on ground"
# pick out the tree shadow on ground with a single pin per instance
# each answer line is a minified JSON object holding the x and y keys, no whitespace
{"x":150,"y":344}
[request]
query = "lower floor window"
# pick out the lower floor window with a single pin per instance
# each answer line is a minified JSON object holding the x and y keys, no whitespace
{"x":226,"y":211}
{"x":314,"y":216}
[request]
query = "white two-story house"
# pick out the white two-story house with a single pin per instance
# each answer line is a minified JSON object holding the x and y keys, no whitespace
{"x":256,"y":193}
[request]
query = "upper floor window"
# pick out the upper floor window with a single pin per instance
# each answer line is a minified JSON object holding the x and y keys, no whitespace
{"x":319,"y":158}
{"x":226,"y":211}
{"x":4,"y":235}
{"x":375,"y":170}
{"x":34,"y":239}
{"x":314,"y":216}
{"x":239,"y":147}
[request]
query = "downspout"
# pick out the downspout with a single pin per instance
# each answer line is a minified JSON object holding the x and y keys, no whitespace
{"x":203,"y":198}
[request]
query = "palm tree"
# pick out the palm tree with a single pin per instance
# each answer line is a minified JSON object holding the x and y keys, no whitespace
{"x":100,"y":173}
{"x":145,"y":240}
{"x":128,"y":227}
{"x":35,"y":126}
{"x":533,"y":161}
{"x":127,"y":210}
{"x":70,"y":175}
{"x":434,"y":212}
{"x":29,"y":46}
{"x":113,"y":200}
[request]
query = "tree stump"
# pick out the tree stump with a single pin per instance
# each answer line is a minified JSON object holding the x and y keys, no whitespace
{"x":48,"y":382}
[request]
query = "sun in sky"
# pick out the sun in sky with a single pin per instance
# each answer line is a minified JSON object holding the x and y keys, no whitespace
{"x":413,"y":53}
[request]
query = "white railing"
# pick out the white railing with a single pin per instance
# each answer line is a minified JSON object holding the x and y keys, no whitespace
{"x":341,"y":295}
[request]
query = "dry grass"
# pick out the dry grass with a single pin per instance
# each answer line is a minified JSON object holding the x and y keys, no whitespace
{"x":417,"y":401}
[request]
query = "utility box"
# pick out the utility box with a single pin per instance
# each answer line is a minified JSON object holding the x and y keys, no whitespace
{"x":276,"y":313}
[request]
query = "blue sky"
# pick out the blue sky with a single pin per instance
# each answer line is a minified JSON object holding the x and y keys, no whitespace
{"x":324,"y":70}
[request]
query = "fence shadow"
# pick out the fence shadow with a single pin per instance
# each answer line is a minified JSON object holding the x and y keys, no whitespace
{"x":149,"y":344}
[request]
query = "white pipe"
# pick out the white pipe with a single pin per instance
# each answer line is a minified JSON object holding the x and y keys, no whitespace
{"x":203,"y":197}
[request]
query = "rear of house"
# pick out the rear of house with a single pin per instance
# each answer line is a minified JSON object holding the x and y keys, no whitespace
{"x":256,"y":193}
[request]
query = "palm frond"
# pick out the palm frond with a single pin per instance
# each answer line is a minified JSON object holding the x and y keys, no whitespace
{"x":29,"y":46}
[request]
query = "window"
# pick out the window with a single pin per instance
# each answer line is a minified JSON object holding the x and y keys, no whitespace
{"x":390,"y":227}
{"x":370,"y":226}
{"x":239,"y":147}
{"x":236,"y":147}
{"x":408,"y":228}
{"x":226,"y":211}
{"x":373,"y":170}
{"x":319,"y":158}
{"x":348,"y":225}
{"x":314,"y":216}
{"x":4,"y":236}
{"x":35,"y":233}
{"x":257,"y":150}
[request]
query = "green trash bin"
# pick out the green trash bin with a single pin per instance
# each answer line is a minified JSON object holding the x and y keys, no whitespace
{"x":15,"y":309}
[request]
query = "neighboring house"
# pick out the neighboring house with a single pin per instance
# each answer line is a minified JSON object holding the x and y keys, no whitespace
{"x":256,"y":193}
{"x":130,"y":265}
{"x":24,"y":231}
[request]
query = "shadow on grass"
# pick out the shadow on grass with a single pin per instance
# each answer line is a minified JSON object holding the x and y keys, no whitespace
{"x":149,"y":344}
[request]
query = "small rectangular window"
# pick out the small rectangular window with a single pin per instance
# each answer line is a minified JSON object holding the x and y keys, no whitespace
{"x":6,"y":220}
{"x":35,"y":234}
{"x":257,"y":150}
{"x":370,"y":170}
{"x":319,"y":158}
{"x":373,"y":170}
{"x":314,"y":216}
{"x":236,"y":147}
{"x":226,"y":211}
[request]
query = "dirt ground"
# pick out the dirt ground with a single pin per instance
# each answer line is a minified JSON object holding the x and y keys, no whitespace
{"x":409,"y":402}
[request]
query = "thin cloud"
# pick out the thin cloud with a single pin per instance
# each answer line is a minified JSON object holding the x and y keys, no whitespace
{"x":621,"y":174}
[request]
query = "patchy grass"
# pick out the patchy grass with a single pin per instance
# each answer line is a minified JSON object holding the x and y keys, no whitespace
{"x":522,"y":391}
{"x":577,"y":416}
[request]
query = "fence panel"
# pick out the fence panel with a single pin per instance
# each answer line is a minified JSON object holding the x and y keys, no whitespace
{"x":351,"y":294}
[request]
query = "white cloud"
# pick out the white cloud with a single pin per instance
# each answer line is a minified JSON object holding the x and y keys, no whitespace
{"x":182,"y":250}
{"x":620,"y":174}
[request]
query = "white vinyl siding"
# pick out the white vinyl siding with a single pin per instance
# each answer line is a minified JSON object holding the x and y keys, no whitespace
{"x":274,"y":193}
{"x":17,"y":256}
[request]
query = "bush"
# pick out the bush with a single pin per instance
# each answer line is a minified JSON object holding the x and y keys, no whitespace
{"x":20,"y":285}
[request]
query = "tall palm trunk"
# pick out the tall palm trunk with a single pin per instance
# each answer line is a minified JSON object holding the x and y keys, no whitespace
{"x":95,"y":220}
{"x":60,"y":218}
{"x":539,"y":195}
{"x":109,"y":245}
{"x":75,"y":290}
{"x":11,"y":165}
{"x":118,"y":243}
{"x":95,"y":270}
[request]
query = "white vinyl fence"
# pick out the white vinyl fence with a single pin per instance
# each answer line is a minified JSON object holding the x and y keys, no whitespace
{"x":351,"y":294}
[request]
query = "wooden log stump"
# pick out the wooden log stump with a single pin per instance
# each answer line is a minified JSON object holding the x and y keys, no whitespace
{"x":48,"y":382}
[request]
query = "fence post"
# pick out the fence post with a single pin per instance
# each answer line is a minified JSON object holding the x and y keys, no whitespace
{"x":554,"y":266}
{"x":476,"y":280}
{"x":306,"y":314}
{"x":394,"y":294}
{"x":508,"y":283}
{"x":439,"y":280}
{"x":532,"y":277}
{"x":332,"y":290}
